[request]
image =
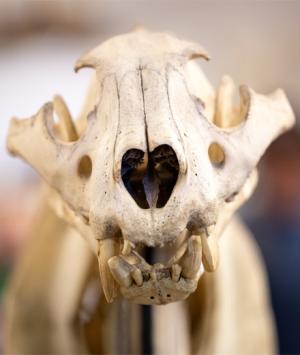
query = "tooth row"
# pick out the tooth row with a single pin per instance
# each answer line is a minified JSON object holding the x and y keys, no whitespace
{"x":188,"y":265}
{"x":186,"y":262}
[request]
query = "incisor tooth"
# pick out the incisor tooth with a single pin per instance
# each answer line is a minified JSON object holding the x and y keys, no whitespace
{"x":210,"y":249}
{"x":137,"y":276}
{"x":175,"y":272}
{"x":191,"y":260}
{"x":107,"y":249}
{"x":120,"y":270}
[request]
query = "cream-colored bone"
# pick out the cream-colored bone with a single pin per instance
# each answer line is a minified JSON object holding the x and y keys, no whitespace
{"x":210,"y":250}
{"x":137,"y":276}
{"x":137,"y":45}
{"x":191,"y":260}
{"x":120,"y":270}
{"x":176,"y":271}
{"x":141,"y":76}
{"x":178,"y":254}
{"x":159,"y":92}
{"x":107,"y":249}
{"x":140,"y":83}
{"x":127,"y":248}
{"x":225,"y":111}
{"x":67,"y":125}
{"x":271,"y":113}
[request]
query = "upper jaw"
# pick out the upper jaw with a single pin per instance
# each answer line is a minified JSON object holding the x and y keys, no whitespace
{"x":153,"y":227}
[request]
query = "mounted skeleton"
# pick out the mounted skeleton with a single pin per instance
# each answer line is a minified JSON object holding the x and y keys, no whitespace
{"x":157,"y":162}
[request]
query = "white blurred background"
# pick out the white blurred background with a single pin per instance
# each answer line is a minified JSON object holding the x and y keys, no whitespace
{"x":256,"y":42}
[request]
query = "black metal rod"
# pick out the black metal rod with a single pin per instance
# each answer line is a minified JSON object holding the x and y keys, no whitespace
{"x":147,"y":321}
{"x":147,"y":341}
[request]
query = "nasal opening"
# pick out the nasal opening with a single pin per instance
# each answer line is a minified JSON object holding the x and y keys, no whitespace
{"x":150,"y":177}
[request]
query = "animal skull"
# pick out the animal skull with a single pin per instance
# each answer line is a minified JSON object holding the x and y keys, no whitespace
{"x":159,"y":164}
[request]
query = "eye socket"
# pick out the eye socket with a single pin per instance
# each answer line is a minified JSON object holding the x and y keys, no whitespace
{"x":216,"y":154}
{"x":85,"y":167}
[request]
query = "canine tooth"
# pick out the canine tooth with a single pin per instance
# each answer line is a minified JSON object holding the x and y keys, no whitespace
{"x":126,"y":250}
{"x":136,"y":274}
{"x":175,"y":272}
{"x":178,"y":254}
{"x":107,"y":249}
{"x":120,"y":270}
{"x":191,"y":260}
{"x":210,"y":248}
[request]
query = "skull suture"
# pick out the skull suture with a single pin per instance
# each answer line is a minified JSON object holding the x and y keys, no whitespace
{"x":155,"y":166}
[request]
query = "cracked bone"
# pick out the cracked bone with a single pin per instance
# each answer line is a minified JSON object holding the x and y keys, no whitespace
{"x":102,"y":195}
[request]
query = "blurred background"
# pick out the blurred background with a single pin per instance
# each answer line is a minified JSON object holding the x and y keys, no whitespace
{"x":256,"y":42}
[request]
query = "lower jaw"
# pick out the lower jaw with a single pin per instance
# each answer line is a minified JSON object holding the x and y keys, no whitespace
{"x":159,"y":289}
{"x":124,"y":271}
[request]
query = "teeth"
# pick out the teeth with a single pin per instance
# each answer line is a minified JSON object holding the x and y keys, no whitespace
{"x":132,"y":259}
{"x":178,"y":254}
{"x":191,"y":260}
{"x":120,"y":270}
{"x":127,"y":247}
{"x":107,"y":249}
{"x":137,"y":276}
{"x":123,"y":266}
{"x":210,"y":248}
{"x":175,"y":272}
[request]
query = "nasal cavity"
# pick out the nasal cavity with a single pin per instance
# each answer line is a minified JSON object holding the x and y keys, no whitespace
{"x":150,"y":177}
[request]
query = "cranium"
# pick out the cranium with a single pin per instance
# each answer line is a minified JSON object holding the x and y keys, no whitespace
{"x":162,"y":164}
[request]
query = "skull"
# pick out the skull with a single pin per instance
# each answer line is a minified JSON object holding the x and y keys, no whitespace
{"x":161,"y":166}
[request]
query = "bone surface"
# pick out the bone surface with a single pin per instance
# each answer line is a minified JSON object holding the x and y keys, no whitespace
{"x":158,"y":165}
{"x":150,"y":176}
